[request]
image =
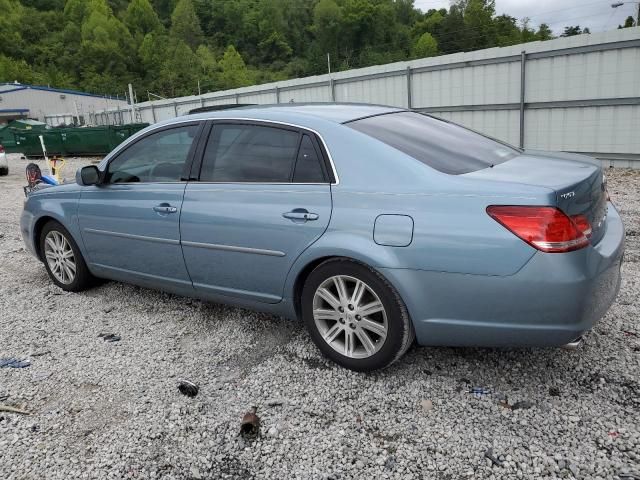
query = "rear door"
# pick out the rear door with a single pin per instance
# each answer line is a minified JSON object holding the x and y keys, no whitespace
{"x":262,"y":198}
{"x":130,"y":222}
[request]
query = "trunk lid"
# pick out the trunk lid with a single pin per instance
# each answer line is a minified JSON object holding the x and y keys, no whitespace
{"x":578,"y":181}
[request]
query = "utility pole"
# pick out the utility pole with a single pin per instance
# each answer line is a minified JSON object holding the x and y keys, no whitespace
{"x":329,"y":63}
{"x":133,"y":108}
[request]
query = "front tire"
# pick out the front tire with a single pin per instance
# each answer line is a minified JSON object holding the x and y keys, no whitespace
{"x":355,"y":316}
{"x":63,"y":260}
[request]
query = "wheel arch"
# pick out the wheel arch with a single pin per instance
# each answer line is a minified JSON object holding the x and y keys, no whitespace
{"x":39,"y":225}
{"x":311,"y":260}
{"x":37,"y":231}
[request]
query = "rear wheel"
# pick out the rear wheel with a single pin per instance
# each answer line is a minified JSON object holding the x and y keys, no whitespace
{"x":355,"y":316}
{"x":63,"y":260}
{"x":4,"y":171}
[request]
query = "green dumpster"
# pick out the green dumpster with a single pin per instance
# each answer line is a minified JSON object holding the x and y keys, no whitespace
{"x":8,"y":132}
{"x":74,"y":141}
{"x":86,"y":141}
{"x":28,"y":143}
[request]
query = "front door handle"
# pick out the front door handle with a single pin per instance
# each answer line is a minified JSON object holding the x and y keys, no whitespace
{"x":165,"y":208}
{"x":300,"y":215}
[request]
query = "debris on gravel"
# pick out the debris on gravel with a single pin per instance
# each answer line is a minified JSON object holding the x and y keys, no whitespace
{"x":188,"y":388}
{"x":112,"y":411}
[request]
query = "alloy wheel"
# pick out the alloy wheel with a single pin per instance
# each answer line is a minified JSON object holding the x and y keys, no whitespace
{"x":350,"y":316}
{"x":60,"y":257}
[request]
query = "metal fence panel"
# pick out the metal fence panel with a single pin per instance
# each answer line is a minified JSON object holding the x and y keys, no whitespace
{"x":579,"y":93}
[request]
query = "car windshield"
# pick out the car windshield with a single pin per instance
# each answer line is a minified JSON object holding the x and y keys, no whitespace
{"x":444,"y":146}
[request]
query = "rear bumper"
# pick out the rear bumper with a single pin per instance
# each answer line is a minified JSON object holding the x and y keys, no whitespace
{"x":4,"y":164}
{"x":551,"y":301}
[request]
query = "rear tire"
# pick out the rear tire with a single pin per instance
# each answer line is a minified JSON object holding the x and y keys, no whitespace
{"x":355,"y":316}
{"x":4,"y":171}
{"x":63,"y":260}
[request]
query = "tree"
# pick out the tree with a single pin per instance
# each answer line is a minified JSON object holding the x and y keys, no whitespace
{"x":104,"y":51}
{"x":628,"y":23}
{"x":572,"y":31}
{"x":544,"y":32}
{"x":507,"y":31}
{"x":234,"y":72}
{"x":327,"y":26}
{"x":426,"y":46}
{"x":208,"y":71}
{"x":185,"y":24}
{"x":478,"y":19}
{"x":140,"y":18}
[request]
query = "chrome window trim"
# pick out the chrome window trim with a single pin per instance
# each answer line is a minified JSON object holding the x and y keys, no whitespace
{"x":107,"y":159}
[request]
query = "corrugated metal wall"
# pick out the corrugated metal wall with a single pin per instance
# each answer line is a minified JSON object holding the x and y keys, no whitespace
{"x":579,"y":94}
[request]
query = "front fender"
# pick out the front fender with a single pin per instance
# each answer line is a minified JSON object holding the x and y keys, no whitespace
{"x":57,"y":203}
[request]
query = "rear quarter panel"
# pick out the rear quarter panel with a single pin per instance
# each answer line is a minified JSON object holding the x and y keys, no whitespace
{"x":452,"y":231}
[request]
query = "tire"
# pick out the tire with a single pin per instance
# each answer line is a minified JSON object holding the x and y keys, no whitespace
{"x":389,"y":331}
{"x":52,"y":246}
{"x":4,"y":171}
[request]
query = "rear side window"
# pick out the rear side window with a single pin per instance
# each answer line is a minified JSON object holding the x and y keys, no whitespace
{"x":249,"y":153}
{"x":444,"y":146}
{"x":308,"y":164}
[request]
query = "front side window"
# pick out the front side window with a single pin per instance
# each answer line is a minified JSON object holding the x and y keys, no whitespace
{"x":159,"y":157}
{"x":442,"y":145}
{"x":249,"y":153}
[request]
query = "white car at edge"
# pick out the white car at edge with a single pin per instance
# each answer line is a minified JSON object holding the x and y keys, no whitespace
{"x":4,"y":164}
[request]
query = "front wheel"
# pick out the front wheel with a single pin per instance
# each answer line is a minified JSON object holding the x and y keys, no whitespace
{"x":63,"y":260}
{"x":354,"y":316}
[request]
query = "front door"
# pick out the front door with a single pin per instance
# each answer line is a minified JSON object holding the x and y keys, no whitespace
{"x":130,"y":223}
{"x":263,"y":197}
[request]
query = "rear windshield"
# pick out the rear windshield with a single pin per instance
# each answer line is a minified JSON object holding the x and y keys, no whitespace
{"x":442,"y":145}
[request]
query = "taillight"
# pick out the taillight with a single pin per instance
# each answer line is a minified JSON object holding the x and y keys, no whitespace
{"x":545,"y":228}
{"x":1,"y":149}
{"x":583,"y":224}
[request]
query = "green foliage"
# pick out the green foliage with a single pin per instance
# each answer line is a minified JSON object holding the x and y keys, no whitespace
{"x":168,"y":47}
{"x":184,"y":23}
{"x":234,"y":72}
{"x":140,"y":18}
{"x":426,"y":46}
{"x":574,"y":30}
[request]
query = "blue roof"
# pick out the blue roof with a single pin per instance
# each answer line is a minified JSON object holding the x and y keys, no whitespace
{"x":22,"y":86}
{"x":14,"y":110}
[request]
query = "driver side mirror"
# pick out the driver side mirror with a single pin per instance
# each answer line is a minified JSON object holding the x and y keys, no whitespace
{"x":89,"y":175}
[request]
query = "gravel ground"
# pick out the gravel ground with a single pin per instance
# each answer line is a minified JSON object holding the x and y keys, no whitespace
{"x":112,"y":409}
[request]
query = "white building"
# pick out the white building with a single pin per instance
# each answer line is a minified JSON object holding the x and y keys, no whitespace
{"x":53,"y":105}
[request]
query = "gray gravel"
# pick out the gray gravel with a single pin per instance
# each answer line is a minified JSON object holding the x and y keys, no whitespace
{"x":112,"y":409}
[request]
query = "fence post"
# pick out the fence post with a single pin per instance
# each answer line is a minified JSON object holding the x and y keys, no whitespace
{"x":332,"y":90}
{"x":523,"y":70}
{"x":277,"y":94}
{"x":153,"y":112}
{"x":237,"y":98}
{"x":409,"y":101}
{"x":175,"y":109}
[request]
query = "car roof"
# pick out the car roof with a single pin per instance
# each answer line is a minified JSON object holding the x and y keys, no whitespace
{"x":333,"y":112}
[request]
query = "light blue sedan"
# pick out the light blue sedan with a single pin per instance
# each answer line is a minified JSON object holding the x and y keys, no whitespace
{"x":374,"y":225}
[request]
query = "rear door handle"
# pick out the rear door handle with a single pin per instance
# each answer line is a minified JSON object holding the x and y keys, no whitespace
{"x":300,"y":215}
{"x":165,"y":208}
